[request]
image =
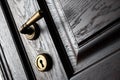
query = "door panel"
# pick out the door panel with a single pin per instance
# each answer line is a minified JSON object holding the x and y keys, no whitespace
{"x":89,"y":16}
{"x":89,"y":31}
{"x":10,"y":63}
{"x":23,"y":10}
{"x":83,"y":25}
{"x":107,"y":69}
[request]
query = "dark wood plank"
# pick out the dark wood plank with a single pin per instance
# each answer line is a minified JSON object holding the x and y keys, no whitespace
{"x":9,"y":58}
{"x":89,"y":16}
{"x":1,"y":74}
{"x":22,"y":10}
{"x":63,"y":29}
{"x":107,"y":69}
{"x":99,"y":48}
{"x":77,"y":20}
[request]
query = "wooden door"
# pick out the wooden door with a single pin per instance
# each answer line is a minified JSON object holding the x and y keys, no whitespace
{"x":89,"y":30}
{"x":11,"y":67}
{"x":81,"y":36}
{"x":17,"y":12}
{"x":81,"y":24}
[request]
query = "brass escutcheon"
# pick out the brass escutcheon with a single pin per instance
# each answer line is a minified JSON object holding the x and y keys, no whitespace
{"x":43,"y":62}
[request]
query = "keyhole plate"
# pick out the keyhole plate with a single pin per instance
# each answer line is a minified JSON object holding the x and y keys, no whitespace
{"x":43,"y":62}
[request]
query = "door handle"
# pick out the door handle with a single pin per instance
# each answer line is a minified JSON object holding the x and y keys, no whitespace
{"x":30,"y":27}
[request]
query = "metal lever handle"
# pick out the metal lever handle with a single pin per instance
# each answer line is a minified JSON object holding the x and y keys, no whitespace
{"x":26,"y":27}
{"x":38,"y":15}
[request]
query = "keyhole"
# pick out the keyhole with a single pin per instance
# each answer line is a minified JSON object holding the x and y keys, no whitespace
{"x":41,"y":63}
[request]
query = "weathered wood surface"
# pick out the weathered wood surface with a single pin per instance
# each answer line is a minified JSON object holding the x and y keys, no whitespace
{"x":22,"y":10}
{"x":88,"y":16}
{"x":84,"y":17}
{"x":1,"y":74}
{"x":63,"y":29}
{"x":108,"y":69}
{"x":8,"y":53}
{"x":104,"y":45}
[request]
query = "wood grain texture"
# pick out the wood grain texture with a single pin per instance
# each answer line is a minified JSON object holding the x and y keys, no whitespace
{"x":8,"y":52}
{"x":108,"y":69}
{"x":1,"y":74}
{"x":85,"y":17}
{"x":99,"y":48}
{"x":63,"y":29}
{"x":88,"y":16}
{"x":22,"y":10}
{"x":5,"y":70}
